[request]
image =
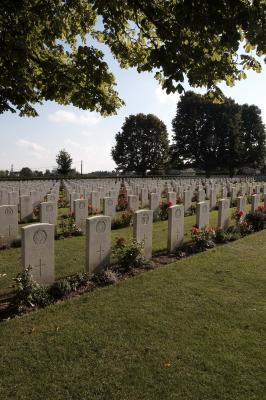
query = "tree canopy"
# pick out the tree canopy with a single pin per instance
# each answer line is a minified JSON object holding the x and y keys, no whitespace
{"x":26,"y":172}
{"x":64,"y":162}
{"x":47,"y":52}
{"x":142,"y":145}
{"x":215,"y":137}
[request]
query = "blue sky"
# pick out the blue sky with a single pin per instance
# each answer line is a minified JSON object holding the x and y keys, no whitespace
{"x":34,"y":142}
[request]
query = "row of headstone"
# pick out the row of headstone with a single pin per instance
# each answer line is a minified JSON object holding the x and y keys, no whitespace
{"x":48,"y":213}
{"x":38,"y":239}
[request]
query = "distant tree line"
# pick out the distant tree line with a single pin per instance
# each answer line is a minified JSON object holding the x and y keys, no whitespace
{"x":209,"y":137}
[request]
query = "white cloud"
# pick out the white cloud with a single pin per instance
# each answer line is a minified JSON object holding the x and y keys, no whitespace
{"x":85,"y":118}
{"x":165,"y":98}
{"x":29,"y":145}
{"x":35,"y":149}
{"x":76,"y":145}
{"x":85,"y":132}
{"x":95,"y":156}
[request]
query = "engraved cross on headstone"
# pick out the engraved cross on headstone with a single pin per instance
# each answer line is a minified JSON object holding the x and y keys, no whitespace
{"x":40,"y":265}
{"x":101,"y":252}
{"x":144,"y":238}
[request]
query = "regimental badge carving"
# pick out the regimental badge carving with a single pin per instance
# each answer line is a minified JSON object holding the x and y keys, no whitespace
{"x":101,"y":227}
{"x":49,"y":208}
{"x":81,"y":205}
{"x":40,"y":237}
{"x":178,"y":213}
{"x":9,"y":211}
{"x":145,"y":219}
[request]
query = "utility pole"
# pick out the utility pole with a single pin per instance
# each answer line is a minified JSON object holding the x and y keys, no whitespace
{"x":81,"y":167}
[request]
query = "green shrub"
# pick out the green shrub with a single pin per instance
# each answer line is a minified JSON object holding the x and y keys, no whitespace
{"x":129,"y":255}
{"x":105,"y":277}
{"x":60,"y":289}
{"x":67,"y":227}
{"x":233,"y":234}
{"x":123,"y":221}
{"x":164,"y":209}
{"x":203,"y":238}
{"x":122,"y":203}
{"x":78,"y":280}
{"x":29,"y":293}
{"x":222,"y":236}
{"x":257,"y":220}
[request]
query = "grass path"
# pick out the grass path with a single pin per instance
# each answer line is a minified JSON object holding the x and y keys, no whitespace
{"x":193,"y":330}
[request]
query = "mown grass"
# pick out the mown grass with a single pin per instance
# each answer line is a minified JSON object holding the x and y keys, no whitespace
{"x":70,"y":253}
{"x":192,"y":330}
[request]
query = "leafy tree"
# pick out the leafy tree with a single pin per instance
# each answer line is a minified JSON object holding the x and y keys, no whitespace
{"x":37,"y":173}
{"x":253,"y":137}
{"x":25,"y":172}
{"x":47,"y":172}
{"x":142,"y":145}
{"x":64,"y":162}
{"x":213,"y":136}
{"x":47,"y":52}
{"x":3,"y":173}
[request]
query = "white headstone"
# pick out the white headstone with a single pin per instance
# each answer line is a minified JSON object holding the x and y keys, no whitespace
{"x":38,"y":251}
{"x":48,"y":212}
{"x":109,"y":206}
{"x":241,"y":203}
{"x":223,"y":213}
{"x":154,"y":201}
{"x":142,"y":230}
{"x":98,"y":243}
{"x":175,"y":227}
{"x":26,"y":208}
{"x":95,"y":201}
{"x":171,"y":197}
{"x":201,"y":195}
{"x":8,"y":224}
{"x":81,"y":213}
{"x":187,"y":200}
{"x":13,"y":198}
{"x":133,"y":202}
{"x":73,"y":196}
{"x":3,"y":197}
{"x":144,"y":199}
{"x":255,"y":201}
{"x":202,"y":214}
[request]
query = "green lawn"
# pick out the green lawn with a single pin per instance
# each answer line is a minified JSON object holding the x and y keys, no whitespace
{"x":192,"y":330}
{"x":70,"y":253}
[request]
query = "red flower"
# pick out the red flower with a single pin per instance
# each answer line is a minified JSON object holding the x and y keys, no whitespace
{"x":169,"y":204}
{"x":195,"y":230}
